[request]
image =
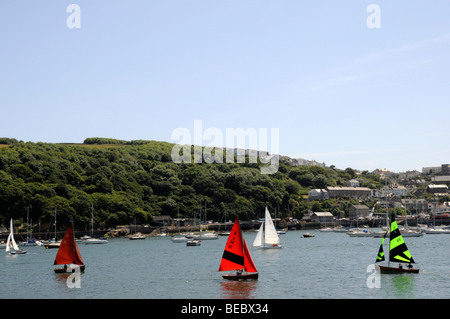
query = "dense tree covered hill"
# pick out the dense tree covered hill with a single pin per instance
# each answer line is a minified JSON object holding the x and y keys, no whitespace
{"x":126,"y":180}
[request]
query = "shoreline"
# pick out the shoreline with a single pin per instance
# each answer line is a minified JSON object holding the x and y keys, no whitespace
{"x":153,"y":231}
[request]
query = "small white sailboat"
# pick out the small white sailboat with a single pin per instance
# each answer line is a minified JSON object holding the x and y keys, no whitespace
{"x":92,"y":239}
{"x":30,"y":240}
{"x":181,"y":238}
{"x":267,"y":236}
{"x":53,"y":243}
{"x":203,"y":234}
{"x":136,"y":235}
{"x":11,"y":245}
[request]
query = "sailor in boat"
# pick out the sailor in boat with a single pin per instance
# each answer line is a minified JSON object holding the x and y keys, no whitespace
{"x":69,"y":268}
{"x":410,"y":266}
{"x":400,"y":265}
{"x":239,"y":272}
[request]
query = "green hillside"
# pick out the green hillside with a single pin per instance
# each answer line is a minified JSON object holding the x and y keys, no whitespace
{"x":124,"y":180}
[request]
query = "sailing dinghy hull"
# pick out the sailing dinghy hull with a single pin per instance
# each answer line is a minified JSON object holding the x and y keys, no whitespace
{"x":241,"y":277}
{"x":68,"y":270}
{"x":18,"y":252}
{"x":273,"y":246}
{"x":391,"y":270}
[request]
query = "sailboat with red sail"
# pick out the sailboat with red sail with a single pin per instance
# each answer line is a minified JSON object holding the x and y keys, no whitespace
{"x":68,"y":254}
{"x":236,"y":256}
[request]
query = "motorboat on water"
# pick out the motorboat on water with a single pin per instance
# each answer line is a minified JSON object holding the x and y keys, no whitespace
{"x":205,"y":235}
{"x":193,"y":242}
{"x":360,"y":232}
{"x":182,"y":238}
{"x":32,"y":242}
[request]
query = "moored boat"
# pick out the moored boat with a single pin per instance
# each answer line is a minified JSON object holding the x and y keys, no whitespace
{"x":180,"y":239}
{"x":307,"y":235}
{"x":136,"y":237}
{"x":90,"y":240}
{"x":193,"y":242}
{"x":433,"y":230}
{"x":360,"y":232}
{"x":53,"y":243}
{"x":405,"y":233}
{"x":205,"y":235}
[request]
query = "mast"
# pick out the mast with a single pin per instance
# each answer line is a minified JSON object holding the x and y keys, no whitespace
{"x":92,"y":221}
{"x":390,"y":233}
{"x":55,"y":225}
{"x":74,"y":243}
{"x":28,"y":224}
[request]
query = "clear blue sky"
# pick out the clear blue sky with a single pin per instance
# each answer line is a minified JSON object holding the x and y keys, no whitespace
{"x":338,"y":91}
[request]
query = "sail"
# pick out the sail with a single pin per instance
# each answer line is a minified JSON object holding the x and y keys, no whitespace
{"x":270,"y":233}
{"x":233,"y":256}
{"x":380,"y":256}
{"x":236,"y":255}
{"x":8,"y":243}
{"x":68,"y":251}
{"x":249,"y":265}
{"x":398,"y":251}
{"x":259,"y":239}
{"x":11,"y":240}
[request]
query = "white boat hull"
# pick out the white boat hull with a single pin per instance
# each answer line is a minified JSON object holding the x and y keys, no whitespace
{"x":181,"y":239}
{"x":95,"y":241}
{"x":206,"y":236}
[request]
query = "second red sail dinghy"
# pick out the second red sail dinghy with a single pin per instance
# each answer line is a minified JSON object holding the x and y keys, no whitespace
{"x":68,"y":254}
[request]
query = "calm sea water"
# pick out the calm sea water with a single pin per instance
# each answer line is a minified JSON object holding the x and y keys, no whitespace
{"x":330,"y":265}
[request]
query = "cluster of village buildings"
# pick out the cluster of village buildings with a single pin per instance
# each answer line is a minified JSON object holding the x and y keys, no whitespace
{"x":409,"y":197}
{"x":435,"y":182}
